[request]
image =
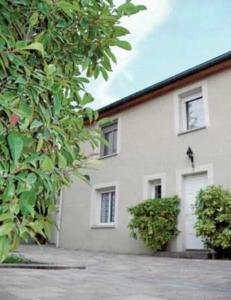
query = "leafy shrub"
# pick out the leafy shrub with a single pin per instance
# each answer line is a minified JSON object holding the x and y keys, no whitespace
{"x":155,"y":221}
{"x":213,"y":210}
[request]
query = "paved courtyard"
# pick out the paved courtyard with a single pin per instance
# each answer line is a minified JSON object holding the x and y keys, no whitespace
{"x":115,"y":277}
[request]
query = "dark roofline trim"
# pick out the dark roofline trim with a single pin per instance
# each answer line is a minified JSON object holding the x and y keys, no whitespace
{"x":199,"y":72}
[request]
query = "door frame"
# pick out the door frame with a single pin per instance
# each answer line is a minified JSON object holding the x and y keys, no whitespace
{"x":180,"y":174}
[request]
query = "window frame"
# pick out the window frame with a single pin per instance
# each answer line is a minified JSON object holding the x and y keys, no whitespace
{"x":95,"y":212}
{"x":185,"y":111}
{"x":154,"y":191}
{"x":115,"y":139}
{"x":157,"y":179}
{"x":187,"y":94}
{"x":110,"y":192}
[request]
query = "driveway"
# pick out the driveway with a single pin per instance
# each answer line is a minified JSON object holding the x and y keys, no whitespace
{"x":115,"y":277}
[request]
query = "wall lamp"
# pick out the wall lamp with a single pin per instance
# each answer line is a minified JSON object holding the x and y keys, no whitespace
{"x":190,"y":155}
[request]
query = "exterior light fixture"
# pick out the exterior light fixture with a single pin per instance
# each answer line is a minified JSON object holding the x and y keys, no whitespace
{"x":190,"y":155}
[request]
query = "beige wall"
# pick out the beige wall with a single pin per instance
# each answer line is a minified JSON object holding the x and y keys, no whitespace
{"x":149,"y":145}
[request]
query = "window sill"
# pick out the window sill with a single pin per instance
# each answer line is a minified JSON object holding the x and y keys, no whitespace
{"x":191,"y":130}
{"x":108,"y":156}
{"x":103,"y":226}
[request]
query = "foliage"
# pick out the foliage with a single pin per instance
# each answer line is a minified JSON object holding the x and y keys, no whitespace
{"x":18,"y":259}
{"x":213,"y":211}
{"x":47,"y":51}
{"x":155,"y":221}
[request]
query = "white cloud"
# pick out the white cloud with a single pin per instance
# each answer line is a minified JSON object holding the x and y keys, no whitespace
{"x":140,"y":26}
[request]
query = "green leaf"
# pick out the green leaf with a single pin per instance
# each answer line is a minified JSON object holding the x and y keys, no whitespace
{"x":36,"y":46}
{"x":4,"y":247}
{"x":104,"y":73}
{"x":15,"y":142}
{"x":62,"y":163}
{"x":104,"y":121}
{"x":35,"y":124}
{"x":122,"y":44}
{"x":21,"y":44}
{"x":31,"y":178}
{"x":47,"y":229}
{"x":129,"y":8}
{"x":2,"y":43}
{"x":40,"y":144}
{"x":15,"y":59}
{"x":66,"y":7}
{"x":47,"y":164}
{"x":51,"y":69}
{"x":37,"y":227}
{"x":6,"y":216}
{"x":120,"y":31}
{"x":25,"y":110}
{"x":6,"y":228}
{"x":27,"y":202}
{"x":57,"y":105}
{"x":9,"y":191}
{"x":33,"y":19}
{"x":87,"y":99}
{"x":111,"y":55}
{"x":14,"y":209}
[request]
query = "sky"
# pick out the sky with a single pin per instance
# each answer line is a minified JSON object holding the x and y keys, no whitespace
{"x":169,"y":37}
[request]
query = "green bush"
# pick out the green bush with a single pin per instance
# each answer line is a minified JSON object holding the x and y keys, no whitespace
{"x":155,"y":221}
{"x":213,"y":211}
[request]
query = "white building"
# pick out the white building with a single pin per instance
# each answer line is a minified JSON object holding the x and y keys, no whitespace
{"x":149,"y":138}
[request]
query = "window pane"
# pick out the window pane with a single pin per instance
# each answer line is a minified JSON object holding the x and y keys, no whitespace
{"x":158,"y":192}
{"x":112,"y":215}
{"x":114,"y":147}
{"x":110,"y":134}
{"x":107,"y":148}
{"x":104,"y":212}
{"x":110,"y":140}
{"x":195,"y":113}
{"x":155,"y":189}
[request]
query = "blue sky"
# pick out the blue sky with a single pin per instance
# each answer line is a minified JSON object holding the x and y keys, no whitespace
{"x":170,"y":37}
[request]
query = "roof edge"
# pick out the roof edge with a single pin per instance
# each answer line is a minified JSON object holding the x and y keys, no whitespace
{"x":164,"y":86}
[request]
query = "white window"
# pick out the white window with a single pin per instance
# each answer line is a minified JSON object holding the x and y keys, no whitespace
{"x":191,"y":108}
{"x":193,"y":115}
{"x":107,"y":207}
{"x":155,"y":189}
{"x":104,"y":205}
{"x":110,"y":133}
{"x":154,"y":186}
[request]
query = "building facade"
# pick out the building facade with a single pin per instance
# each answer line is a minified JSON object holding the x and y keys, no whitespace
{"x":147,"y":157}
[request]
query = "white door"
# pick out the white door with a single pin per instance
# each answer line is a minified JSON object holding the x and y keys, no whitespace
{"x":192,"y":185}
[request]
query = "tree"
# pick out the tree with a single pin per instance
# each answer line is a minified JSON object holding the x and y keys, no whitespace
{"x":48,"y":50}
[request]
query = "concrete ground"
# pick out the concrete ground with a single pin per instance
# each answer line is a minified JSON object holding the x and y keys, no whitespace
{"x":115,"y":277}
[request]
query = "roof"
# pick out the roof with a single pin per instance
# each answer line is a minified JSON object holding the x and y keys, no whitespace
{"x":191,"y":75}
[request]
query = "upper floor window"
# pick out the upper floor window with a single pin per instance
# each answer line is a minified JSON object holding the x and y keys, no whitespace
{"x":110,"y":133}
{"x":193,"y":109}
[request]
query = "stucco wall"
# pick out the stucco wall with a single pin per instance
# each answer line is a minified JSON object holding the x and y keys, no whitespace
{"x":149,"y":145}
